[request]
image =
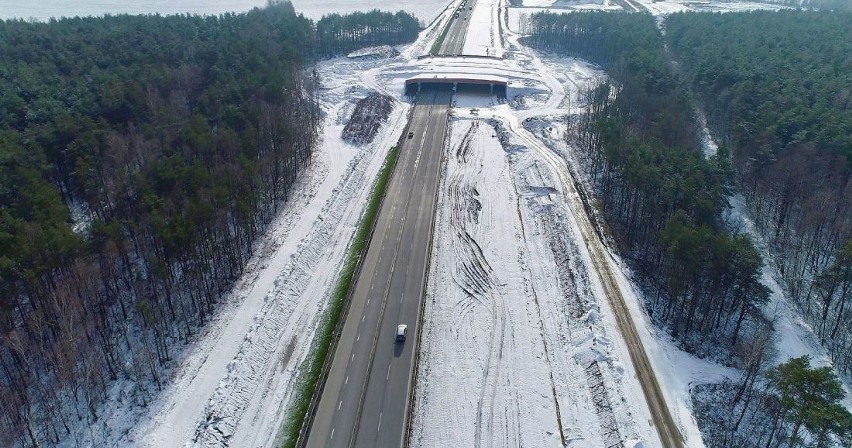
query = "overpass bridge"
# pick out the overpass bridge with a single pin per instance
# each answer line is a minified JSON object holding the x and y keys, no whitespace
{"x":469,"y":82}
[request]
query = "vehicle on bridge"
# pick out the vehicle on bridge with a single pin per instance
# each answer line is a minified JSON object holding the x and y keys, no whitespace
{"x":401,"y":331}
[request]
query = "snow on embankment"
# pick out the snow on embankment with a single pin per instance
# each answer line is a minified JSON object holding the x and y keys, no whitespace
{"x":542,"y":123}
{"x":381,"y":51}
{"x":232,"y":386}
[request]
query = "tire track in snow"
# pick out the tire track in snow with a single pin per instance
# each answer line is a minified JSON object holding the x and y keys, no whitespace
{"x":602,"y":404}
{"x":483,"y":361}
{"x":475,"y":275}
{"x":569,"y":314}
{"x":541,"y":323}
{"x":664,"y":423}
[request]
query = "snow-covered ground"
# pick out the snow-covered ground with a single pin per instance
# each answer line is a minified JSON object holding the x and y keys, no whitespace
{"x":482,"y":38}
{"x":658,"y":8}
{"x":676,"y":370}
{"x":519,"y":344}
{"x":425,"y":10}
{"x":234,"y":381}
{"x":580,"y":4}
{"x":519,"y":15}
{"x":672,"y":6}
{"x":515,"y":349}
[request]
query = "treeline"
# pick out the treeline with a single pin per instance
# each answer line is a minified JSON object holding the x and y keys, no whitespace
{"x":789,"y":405}
{"x":663,"y":201}
{"x":340,"y":34}
{"x":171,"y":140}
{"x":838,"y":5}
{"x":661,"y":197}
{"x":777,"y":88}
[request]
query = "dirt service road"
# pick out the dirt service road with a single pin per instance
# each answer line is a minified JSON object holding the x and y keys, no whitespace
{"x":666,"y":427}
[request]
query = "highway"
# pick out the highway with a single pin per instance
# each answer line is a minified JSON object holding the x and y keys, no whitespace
{"x":364,"y":402}
{"x":457,"y":30}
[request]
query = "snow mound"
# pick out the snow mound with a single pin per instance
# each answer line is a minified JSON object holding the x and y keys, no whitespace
{"x":369,"y":115}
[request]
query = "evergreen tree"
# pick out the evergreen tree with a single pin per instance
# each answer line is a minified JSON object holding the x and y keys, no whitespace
{"x":808,"y":398}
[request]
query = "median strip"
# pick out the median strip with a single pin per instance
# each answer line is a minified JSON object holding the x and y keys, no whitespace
{"x":436,"y":46}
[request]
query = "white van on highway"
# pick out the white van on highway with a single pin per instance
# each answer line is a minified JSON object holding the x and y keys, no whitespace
{"x":401,"y":331}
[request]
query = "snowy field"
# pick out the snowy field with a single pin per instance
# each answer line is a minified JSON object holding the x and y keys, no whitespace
{"x":425,"y":10}
{"x":580,"y":4}
{"x":482,"y":38}
{"x":515,"y":352}
{"x":671,"y":6}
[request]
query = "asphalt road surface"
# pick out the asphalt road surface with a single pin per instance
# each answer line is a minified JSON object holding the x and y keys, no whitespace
{"x":454,"y":40}
{"x":365,"y":399}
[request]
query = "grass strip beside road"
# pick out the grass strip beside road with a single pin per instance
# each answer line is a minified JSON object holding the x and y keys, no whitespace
{"x":436,"y":46}
{"x":313,"y":365}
